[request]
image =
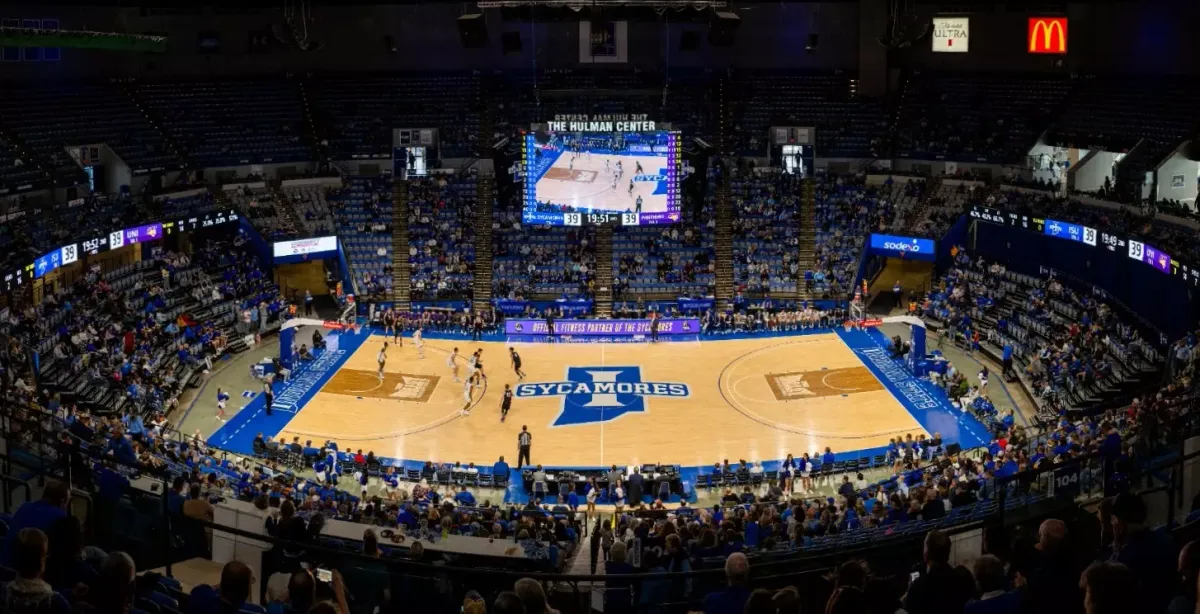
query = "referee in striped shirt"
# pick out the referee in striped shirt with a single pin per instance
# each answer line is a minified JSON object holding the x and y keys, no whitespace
{"x":524,"y":439}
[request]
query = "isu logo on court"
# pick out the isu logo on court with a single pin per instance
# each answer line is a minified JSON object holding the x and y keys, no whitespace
{"x":601,"y":394}
{"x":826,"y":383}
{"x":1047,"y":35}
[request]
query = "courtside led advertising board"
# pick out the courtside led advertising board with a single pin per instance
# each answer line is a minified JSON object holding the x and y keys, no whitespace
{"x":951,"y":34}
{"x":1047,"y":35}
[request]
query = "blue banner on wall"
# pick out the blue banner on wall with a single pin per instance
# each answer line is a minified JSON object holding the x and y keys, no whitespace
{"x":912,"y":248}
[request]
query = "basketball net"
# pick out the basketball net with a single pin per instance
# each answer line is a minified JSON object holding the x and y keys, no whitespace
{"x":858,"y":311}
{"x":348,"y":318}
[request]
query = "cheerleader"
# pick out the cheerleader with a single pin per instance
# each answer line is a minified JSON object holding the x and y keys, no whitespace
{"x":222,"y":397}
{"x":592,"y":493}
{"x":391,"y":483}
{"x":805,"y":467}
{"x":785,"y":473}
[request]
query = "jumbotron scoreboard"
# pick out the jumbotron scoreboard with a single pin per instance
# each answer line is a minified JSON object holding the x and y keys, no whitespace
{"x":592,"y":170}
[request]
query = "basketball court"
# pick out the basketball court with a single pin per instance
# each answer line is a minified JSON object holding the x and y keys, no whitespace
{"x":587,"y":405}
{"x":590,"y":181}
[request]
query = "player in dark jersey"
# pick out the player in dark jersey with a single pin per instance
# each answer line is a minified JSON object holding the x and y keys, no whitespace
{"x":506,"y":402}
{"x":389,"y":323}
{"x":516,"y":363}
{"x":638,"y":170}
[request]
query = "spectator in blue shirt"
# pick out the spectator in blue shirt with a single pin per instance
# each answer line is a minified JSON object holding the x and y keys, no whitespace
{"x":176,"y":498}
{"x":500,"y":469}
{"x":827,"y":459}
{"x":465,"y":498}
{"x":733,"y":599}
{"x":226,"y":598}
{"x":40,"y":514}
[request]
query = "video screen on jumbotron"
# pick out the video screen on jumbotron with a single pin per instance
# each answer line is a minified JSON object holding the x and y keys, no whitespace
{"x":579,"y":178}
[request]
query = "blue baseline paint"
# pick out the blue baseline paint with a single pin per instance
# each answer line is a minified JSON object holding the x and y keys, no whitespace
{"x":926,"y":402}
{"x":237,"y":435}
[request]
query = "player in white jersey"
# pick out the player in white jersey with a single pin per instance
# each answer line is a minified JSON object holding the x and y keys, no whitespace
{"x":468,"y":387}
{"x":419,"y":342}
{"x":382,"y":358}
{"x":452,"y":362}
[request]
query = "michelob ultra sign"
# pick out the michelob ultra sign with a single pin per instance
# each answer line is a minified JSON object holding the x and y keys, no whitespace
{"x":1047,"y":35}
{"x":951,"y":34}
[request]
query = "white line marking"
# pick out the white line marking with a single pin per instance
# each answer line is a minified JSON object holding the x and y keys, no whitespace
{"x":602,"y":414}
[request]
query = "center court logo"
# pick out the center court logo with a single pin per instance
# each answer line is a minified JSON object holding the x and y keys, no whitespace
{"x":601,"y":394}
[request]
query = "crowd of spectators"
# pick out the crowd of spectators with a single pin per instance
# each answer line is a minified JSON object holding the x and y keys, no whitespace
{"x":679,"y":257}
{"x":1073,"y":346}
{"x":529,"y":261}
{"x":441,"y":237}
{"x":847,"y":210}
{"x":766,"y":243}
{"x":362,"y":214}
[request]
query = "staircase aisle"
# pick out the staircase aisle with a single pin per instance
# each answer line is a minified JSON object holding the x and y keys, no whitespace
{"x":485,"y":193}
{"x":401,"y":267}
{"x":152,"y":117}
{"x":808,"y":238}
{"x":723,"y":245}
{"x":286,"y":209}
{"x":485,"y":190}
{"x":604,"y":271}
{"x":311,"y":131}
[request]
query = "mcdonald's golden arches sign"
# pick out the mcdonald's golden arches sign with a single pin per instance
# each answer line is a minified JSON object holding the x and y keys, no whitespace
{"x":1047,"y":35}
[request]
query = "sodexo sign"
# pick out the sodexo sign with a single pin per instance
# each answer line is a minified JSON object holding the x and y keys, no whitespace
{"x":903,"y":247}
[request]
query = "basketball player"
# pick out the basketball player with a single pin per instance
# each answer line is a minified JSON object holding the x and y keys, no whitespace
{"x":419,"y":342}
{"x":506,"y":402}
{"x":516,"y":363}
{"x":389,"y":323}
{"x":452,"y":362}
{"x":638,"y":170}
{"x":468,"y":387}
{"x":631,"y":187}
{"x":477,"y":365}
{"x":382,"y":358}
{"x":222,"y":397}
{"x":398,"y":329}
